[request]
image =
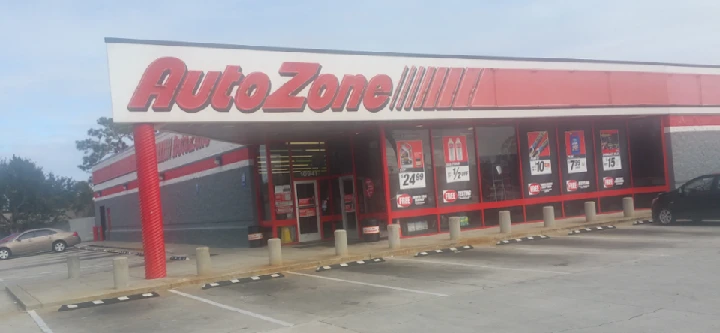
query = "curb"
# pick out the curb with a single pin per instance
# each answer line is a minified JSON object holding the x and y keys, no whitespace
{"x":23,"y":298}
{"x":525,"y":239}
{"x":447,"y":250}
{"x":189,"y":280}
{"x":109,"y":250}
{"x":107,"y":301}
{"x":349,"y":264}
{"x":585,"y":230}
{"x":243,"y":280}
{"x":642,"y":222}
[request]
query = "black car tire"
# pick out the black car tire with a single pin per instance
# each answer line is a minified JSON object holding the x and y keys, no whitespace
{"x":59,"y":246}
{"x":5,"y":257}
{"x":665,"y":216}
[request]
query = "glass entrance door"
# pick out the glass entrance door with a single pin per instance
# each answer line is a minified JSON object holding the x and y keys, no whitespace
{"x":347,"y":189}
{"x":308,"y":215}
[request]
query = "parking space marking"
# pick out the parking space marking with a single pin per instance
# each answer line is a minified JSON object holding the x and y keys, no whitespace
{"x":482,"y":266}
{"x":234,"y":309}
{"x":562,"y":250}
{"x":369,"y":284}
{"x":39,"y":321}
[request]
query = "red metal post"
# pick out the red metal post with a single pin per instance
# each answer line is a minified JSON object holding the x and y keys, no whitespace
{"x":150,"y":204}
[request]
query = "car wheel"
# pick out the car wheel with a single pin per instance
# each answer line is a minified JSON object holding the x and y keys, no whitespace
{"x":665,"y":216}
{"x":59,"y":246}
{"x":5,"y":254}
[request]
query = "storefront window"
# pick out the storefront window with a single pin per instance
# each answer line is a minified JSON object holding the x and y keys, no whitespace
{"x":410,"y":169}
{"x":455,"y":166}
{"x":538,"y":149}
{"x":499,"y":163}
{"x":282,"y":187}
{"x":646,"y":152}
{"x":308,"y":159}
{"x":263,"y":186}
{"x":340,"y":156}
{"x":611,"y":155}
{"x":369,"y":168}
{"x":577,"y":159}
{"x":468,"y":220}
{"x":413,"y":226}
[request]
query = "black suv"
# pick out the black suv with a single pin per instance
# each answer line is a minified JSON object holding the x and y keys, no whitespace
{"x":696,"y":200}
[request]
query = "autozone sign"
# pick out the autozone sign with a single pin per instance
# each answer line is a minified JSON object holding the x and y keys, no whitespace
{"x":176,"y":82}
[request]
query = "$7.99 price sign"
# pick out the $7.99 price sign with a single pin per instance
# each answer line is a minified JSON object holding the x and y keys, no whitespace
{"x":412,"y":180}
{"x":576,"y":165}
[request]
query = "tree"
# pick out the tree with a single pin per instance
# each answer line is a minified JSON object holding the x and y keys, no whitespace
{"x":30,"y":197}
{"x":110,"y":138}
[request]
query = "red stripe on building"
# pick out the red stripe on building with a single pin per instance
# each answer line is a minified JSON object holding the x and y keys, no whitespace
{"x":693,"y":120}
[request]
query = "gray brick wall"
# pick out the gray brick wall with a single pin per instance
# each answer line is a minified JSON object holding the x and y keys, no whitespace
{"x":214,"y":210}
{"x":691,"y":154}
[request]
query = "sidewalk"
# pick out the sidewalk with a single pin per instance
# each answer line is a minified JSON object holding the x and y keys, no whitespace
{"x":243,"y":262}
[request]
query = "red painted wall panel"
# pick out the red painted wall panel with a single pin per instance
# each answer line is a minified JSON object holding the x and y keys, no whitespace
{"x":683,"y":89}
{"x":710,"y":89}
{"x":548,"y":88}
{"x":637,"y":89}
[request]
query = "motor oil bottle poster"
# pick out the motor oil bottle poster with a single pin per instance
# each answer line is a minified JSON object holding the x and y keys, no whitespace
{"x":539,"y":153}
{"x":457,"y":168}
{"x":411,"y":163}
{"x":575,"y":151}
{"x":610,"y":147}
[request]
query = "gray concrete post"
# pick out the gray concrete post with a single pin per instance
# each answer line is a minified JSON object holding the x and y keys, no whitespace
{"x":341,"y":247}
{"x":549,"y":216}
{"x":394,"y":236}
{"x":275,"y":251}
{"x":121,"y":274}
{"x":202,"y":260}
{"x":454,"y":228}
{"x":590,"y":211}
{"x":628,"y":207}
{"x":73,"y":263}
{"x":505,"y":222}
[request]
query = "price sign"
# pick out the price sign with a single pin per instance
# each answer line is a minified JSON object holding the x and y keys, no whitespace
{"x":611,"y":163}
{"x":576,"y":165}
{"x":412,"y":180}
{"x":540,"y":167}
{"x":459,"y":173}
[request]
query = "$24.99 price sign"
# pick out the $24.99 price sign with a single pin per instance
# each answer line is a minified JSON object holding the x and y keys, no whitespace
{"x":412,"y":180}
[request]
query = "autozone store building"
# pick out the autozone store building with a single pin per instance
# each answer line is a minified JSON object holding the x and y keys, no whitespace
{"x":321,"y":140}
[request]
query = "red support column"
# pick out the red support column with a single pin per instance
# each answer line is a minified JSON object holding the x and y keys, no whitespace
{"x":150,"y":204}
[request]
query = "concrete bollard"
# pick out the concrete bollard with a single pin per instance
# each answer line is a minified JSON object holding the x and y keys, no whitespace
{"x":454,"y":228}
{"x":120,"y":272}
{"x":275,"y":251}
{"x":505,"y":222}
{"x":73,"y":263}
{"x":590,"y":211}
{"x":549,"y":216}
{"x":394,"y":236}
{"x":202,"y":260}
{"x":628,"y":207}
{"x":341,"y":247}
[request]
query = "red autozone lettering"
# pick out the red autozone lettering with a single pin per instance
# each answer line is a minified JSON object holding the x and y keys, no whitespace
{"x":168,"y":82}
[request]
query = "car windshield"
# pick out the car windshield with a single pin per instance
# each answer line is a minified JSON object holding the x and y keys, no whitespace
{"x":9,"y":237}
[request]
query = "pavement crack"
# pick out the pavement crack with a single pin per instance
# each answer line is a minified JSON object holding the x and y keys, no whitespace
{"x":609,"y":322}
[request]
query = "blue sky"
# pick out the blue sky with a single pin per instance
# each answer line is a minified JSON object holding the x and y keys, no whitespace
{"x":53,"y":81}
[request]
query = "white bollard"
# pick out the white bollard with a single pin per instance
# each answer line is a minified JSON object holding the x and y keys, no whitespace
{"x":341,"y":246}
{"x":73,"y":263}
{"x":549,"y":216}
{"x":454,"y":228}
{"x":202,"y":260}
{"x":394,"y":236}
{"x":590,"y":211}
{"x":275,"y":251}
{"x":628,"y":207}
{"x":505,"y":222}
{"x":120,"y":272}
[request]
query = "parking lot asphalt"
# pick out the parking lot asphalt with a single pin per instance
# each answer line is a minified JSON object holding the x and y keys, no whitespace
{"x":643,"y":278}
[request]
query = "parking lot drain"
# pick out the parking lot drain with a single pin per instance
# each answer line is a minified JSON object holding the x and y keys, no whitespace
{"x":584,"y":230}
{"x":642,"y":222}
{"x":448,"y":250}
{"x":107,"y":301}
{"x":243,"y":280}
{"x":349,"y":264}
{"x":518,"y":240}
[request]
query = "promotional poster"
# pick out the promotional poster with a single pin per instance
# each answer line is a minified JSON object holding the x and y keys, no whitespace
{"x":457,"y":168}
{"x":411,"y":163}
{"x":610,"y":146}
{"x":578,"y":174}
{"x":612,"y":154}
{"x":575,"y":151}
{"x":540,"y":154}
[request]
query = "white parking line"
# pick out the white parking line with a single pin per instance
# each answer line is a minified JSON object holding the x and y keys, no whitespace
{"x":230,"y":308}
{"x":39,"y":321}
{"x":369,"y":284}
{"x":562,"y":250}
{"x":480,"y":266}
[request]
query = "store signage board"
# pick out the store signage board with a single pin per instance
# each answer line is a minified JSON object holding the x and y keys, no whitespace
{"x":168,"y":82}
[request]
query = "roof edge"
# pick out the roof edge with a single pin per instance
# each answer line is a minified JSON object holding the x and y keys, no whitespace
{"x":116,"y":40}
